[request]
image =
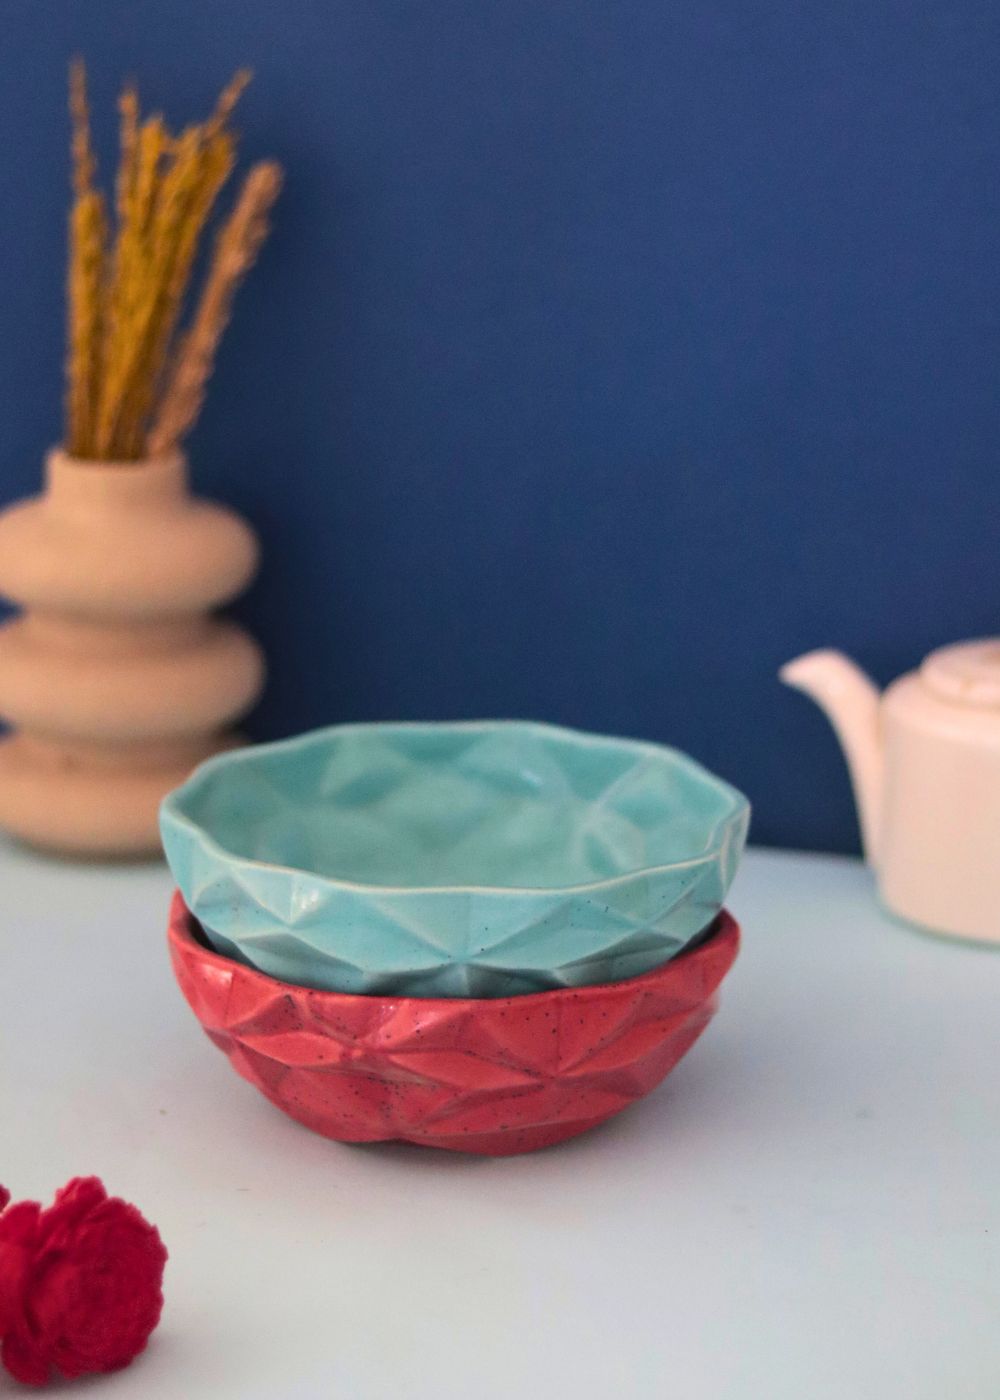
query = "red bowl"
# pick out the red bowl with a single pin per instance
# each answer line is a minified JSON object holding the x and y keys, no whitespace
{"x":494,"y":1077}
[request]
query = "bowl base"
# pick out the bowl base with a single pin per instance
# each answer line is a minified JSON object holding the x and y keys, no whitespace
{"x":511,"y":1144}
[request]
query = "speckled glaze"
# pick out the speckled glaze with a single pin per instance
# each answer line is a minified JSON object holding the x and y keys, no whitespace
{"x":493,"y":1077}
{"x":468,"y":860}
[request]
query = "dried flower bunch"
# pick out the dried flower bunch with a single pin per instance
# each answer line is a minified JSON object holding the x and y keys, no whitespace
{"x":135,"y":383}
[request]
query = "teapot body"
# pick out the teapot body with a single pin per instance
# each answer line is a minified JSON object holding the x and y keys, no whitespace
{"x":938,"y":853}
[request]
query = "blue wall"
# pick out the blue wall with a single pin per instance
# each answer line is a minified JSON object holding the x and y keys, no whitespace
{"x":604,"y":356}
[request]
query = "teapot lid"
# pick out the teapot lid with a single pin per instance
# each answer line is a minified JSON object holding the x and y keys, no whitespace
{"x":965,"y":674}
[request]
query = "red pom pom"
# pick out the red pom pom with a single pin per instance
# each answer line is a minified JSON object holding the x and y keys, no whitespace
{"x":80,"y":1283}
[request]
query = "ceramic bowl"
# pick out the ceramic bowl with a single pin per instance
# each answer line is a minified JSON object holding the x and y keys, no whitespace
{"x":484,"y":859}
{"x":494,"y":1076}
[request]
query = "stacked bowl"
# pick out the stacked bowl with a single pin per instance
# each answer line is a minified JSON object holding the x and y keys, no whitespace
{"x":486,"y":937}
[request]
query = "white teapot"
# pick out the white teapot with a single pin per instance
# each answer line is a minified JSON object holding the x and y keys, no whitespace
{"x":925,"y":767}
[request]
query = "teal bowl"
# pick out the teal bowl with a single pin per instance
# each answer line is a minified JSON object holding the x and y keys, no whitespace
{"x":465,"y":860}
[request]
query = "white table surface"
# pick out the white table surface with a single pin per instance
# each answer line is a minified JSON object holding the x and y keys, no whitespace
{"x":808,"y":1209}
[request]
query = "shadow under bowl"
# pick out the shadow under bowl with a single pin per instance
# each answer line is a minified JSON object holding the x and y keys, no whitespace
{"x":495,"y":1076}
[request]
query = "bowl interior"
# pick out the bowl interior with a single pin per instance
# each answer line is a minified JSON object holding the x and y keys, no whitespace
{"x":499,"y":804}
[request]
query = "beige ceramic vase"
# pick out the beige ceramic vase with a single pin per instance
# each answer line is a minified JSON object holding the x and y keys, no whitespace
{"x":116,"y":679}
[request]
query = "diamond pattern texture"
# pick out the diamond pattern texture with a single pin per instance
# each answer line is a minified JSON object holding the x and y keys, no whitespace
{"x":495,"y":1076}
{"x":453,"y":860}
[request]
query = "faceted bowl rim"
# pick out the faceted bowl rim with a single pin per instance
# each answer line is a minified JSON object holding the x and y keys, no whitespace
{"x":174,"y":818}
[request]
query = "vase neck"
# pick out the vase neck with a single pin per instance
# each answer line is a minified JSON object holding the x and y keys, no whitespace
{"x":74,"y":484}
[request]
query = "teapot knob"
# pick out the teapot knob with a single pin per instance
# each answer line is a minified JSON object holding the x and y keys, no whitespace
{"x":967,"y":673}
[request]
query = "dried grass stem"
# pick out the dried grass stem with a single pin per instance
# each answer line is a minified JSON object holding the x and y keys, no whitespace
{"x":126,"y":292}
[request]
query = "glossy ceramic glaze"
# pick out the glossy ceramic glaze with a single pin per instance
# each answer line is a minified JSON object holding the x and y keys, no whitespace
{"x":494,"y":1077}
{"x":481,"y":859}
{"x":925,"y":764}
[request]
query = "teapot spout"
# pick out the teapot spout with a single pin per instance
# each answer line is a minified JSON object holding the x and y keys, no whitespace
{"x":850,"y":701}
